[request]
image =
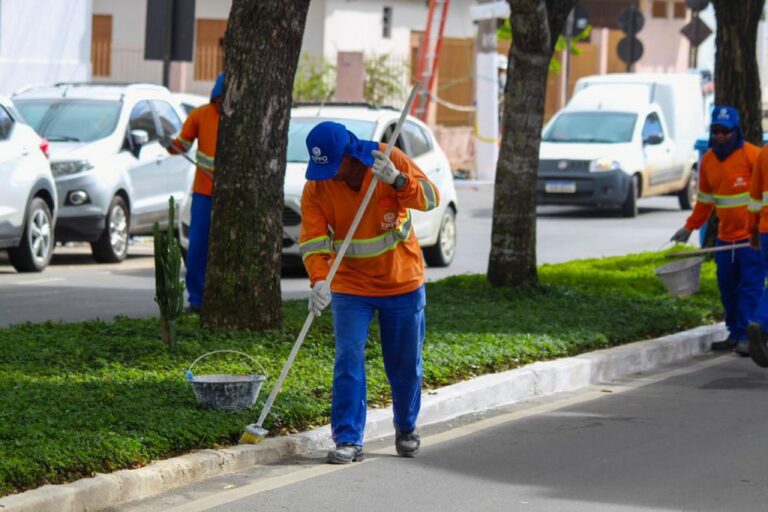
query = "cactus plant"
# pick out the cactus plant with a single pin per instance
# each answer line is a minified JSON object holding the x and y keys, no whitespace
{"x":169,"y":288}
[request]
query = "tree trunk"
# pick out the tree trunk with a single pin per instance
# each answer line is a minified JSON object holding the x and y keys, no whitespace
{"x":262,"y":43}
{"x":737,"y":81}
{"x":535,"y":28}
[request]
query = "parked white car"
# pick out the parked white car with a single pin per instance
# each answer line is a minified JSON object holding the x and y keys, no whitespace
{"x":28,"y":204}
{"x":113,"y":177}
{"x":435,"y":229}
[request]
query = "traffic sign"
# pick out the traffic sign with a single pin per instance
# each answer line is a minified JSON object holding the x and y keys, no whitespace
{"x":696,"y":31}
{"x":631,"y":20}
{"x":630,"y":50}
{"x":580,"y":20}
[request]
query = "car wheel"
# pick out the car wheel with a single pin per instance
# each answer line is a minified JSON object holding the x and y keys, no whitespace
{"x":112,"y":245}
{"x":629,"y":208}
{"x":441,"y":254}
{"x":36,"y":248}
{"x":687,"y":196}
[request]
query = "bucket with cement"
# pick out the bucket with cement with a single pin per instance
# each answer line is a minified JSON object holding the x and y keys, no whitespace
{"x":224,"y":391}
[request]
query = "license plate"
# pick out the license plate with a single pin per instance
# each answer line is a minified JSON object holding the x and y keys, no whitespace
{"x":560,"y":187}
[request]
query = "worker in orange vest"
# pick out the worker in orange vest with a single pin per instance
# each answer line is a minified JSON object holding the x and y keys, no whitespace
{"x":203,"y":125}
{"x":382,"y":272}
{"x":724,"y":181}
{"x":758,"y":201}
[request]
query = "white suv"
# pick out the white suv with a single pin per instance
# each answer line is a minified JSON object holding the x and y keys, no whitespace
{"x":435,"y":229}
{"x":112,"y":175}
{"x":28,"y":193}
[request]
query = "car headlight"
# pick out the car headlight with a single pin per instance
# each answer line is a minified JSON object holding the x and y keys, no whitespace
{"x":604,"y":164}
{"x":69,"y":168}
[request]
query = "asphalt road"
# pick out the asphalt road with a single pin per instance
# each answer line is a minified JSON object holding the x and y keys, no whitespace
{"x":74,"y":288}
{"x":686,"y":438}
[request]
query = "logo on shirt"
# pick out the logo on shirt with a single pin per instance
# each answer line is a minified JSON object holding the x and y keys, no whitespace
{"x":390,"y":221}
{"x":318,"y":157}
{"x":740,"y":182}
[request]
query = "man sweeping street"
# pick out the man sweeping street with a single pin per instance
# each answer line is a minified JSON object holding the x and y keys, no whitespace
{"x":382,"y":272}
{"x":758,"y":201}
{"x":203,"y":125}
{"x":724,"y":183}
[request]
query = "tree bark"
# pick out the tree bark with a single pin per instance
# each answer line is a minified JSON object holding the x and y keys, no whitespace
{"x":262,"y":43}
{"x":535,"y":28}
{"x":737,"y":80}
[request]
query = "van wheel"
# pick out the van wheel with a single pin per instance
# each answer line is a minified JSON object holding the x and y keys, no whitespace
{"x":441,"y":254}
{"x":112,"y":245}
{"x":687,"y":196}
{"x":629,"y":208}
{"x":36,"y":248}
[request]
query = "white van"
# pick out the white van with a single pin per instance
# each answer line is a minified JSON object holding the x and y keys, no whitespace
{"x":623,"y":136}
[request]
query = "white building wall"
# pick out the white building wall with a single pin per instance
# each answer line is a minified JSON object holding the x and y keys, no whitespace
{"x":665,"y":49}
{"x":44,"y":41}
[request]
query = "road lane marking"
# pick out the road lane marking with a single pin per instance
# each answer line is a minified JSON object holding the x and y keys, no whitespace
{"x":41,"y":281}
{"x":276,"y":482}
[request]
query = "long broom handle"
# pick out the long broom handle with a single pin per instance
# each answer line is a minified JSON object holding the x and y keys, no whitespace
{"x":708,"y":250}
{"x":336,"y":261}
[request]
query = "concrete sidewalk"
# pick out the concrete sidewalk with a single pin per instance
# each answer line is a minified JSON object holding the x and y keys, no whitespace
{"x":479,"y":394}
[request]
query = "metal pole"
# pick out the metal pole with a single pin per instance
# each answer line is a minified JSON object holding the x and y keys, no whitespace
{"x":567,"y":63}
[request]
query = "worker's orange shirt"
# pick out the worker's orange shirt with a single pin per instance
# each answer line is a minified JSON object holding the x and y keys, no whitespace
{"x":758,"y":192}
{"x":384,"y":258}
{"x":725,"y":187}
{"x":203,"y":125}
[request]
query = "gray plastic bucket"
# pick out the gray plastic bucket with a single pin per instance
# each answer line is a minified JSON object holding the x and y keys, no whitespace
{"x":681,"y":278}
{"x":226,"y":392}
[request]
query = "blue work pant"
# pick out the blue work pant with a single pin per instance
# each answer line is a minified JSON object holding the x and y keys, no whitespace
{"x":197,"y":253}
{"x":402,"y":329}
{"x":761,"y":313}
{"x":741,"y":279}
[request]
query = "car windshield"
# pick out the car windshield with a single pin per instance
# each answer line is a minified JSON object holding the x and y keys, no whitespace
{"x":300,"y":128}
{"x":591,"y":127}
{"x":70,"y":120}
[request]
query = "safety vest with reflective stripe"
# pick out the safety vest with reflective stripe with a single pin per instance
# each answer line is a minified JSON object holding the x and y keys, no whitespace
{"x":203,"y":125}
{"x":758,"y":191}
{"x":383,"y":258}
{"x":725,"y":186}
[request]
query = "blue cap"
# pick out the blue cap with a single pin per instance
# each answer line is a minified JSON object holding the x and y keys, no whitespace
{"x":218,"y":87}
{"x":326,"y":143}
{"x":727,"y":117}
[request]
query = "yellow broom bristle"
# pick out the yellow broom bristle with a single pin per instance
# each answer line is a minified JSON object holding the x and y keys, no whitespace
{"x":248,"y":438}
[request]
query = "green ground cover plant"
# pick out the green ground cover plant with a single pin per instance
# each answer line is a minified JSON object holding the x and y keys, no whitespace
{"x":81,"y":398}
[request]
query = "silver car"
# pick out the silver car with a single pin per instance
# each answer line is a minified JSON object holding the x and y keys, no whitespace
{"x":28,"y":195}
{"x":112,"y":174}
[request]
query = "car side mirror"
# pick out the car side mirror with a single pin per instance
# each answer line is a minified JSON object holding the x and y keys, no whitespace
{"x":139,"y":138}
{"x":652,"y":140}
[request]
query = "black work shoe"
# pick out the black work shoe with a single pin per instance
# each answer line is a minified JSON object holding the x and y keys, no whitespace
{"x":758,"y":350}
{"x":407,"y":443}
{"x":344,"y":454}
{"x":742,"y":348}
{"x":724,"y":346}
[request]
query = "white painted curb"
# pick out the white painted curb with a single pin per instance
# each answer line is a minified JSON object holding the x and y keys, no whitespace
{"x":479,"y":394}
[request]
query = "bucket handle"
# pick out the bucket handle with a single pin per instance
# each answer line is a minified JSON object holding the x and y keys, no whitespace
{"x":190,"y":376}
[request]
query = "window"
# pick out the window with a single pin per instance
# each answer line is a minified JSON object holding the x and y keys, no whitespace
{"x":400,"y":144}
{"x":169,"y":120}
{"x":101,"y":45}
{"x":679,"y":11}
{"x":659,"y":9}
{"x":386,"y":23}
{"x":652,"y":127}
{"x":61,"y":120}
{"x":300,"y":128}
{"x":591,"y":128}
{"x":143,"y":119}
{"x":6,"y":124}
{"x":209,"y":48}
{"x":417,"y":139}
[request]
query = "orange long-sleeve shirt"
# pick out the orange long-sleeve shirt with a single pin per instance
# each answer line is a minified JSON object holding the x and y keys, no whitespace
{"x":725,"y":186}
{"x":758,"y":192}
{"x":384,"y":258}
{"x":203,"y":125}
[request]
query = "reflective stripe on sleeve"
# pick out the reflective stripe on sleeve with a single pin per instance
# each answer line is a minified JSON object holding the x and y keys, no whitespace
{"x":186,"y":144}
{"x":754,"y":205}
{"x":430,"y":197}
{"x":701,"y":197}
{"x":319,"y":245}
{"x":205,"y":161}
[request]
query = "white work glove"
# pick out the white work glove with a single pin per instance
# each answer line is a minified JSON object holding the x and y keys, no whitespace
{"x":320,"y":298}
{"x":383,"y":168}
{"x":681,"y":236}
